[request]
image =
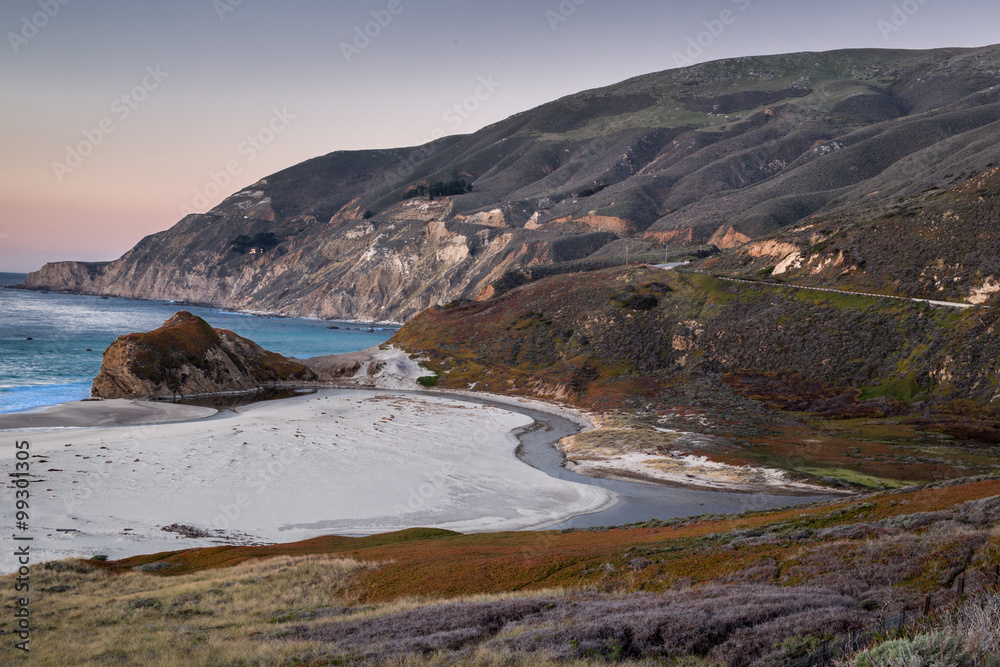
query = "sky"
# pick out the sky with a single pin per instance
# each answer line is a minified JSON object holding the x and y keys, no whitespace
{"x":120,"y":116}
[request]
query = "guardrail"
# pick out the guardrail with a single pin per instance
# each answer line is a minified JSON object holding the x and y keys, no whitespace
{"x":943,"y":304}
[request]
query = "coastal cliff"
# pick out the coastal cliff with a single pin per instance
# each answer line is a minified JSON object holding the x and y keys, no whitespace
{"x":186,"y":356}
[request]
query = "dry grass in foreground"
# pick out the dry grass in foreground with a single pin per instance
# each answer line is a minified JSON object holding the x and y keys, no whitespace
{"x":755,"y":589}
{"x":87,"y":616}
{"x":274,"y":611}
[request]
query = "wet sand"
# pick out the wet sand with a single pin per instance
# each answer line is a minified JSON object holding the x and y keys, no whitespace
{"x":97,"y":413}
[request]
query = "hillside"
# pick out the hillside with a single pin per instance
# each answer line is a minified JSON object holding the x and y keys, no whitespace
{"x":718,"y":153}
{"x":848,"y":389}
{"x":941,"y":244}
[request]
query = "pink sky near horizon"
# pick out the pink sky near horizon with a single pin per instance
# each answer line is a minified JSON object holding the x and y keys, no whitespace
{"x":209,"y":82}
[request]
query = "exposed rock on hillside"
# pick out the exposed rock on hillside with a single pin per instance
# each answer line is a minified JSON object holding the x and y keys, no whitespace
{"x":941,"y":244}
{"x":376,"y":367}
{"x":186,"y":356}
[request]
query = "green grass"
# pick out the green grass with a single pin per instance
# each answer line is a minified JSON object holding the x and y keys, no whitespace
{"x":852,"y":477}
{"x":843,"y":301}
{"x":428,"y":381}
{"x":904,"y":388}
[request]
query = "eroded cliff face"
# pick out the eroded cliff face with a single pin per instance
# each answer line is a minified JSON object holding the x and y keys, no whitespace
{"x":376,"y":270}
{"x":185,"y":357}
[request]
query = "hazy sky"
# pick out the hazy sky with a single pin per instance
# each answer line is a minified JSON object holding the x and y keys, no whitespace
{"x":116,"y":114}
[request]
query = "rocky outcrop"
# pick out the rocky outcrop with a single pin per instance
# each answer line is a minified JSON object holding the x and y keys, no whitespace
{"x":383,"y":367}
{"x":82,"y":277}
{"x":186,"y":357}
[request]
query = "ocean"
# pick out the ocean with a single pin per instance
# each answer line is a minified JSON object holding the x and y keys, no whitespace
{"x":51,"y":344}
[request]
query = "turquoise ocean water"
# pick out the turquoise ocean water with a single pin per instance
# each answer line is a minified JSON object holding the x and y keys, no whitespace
{"x":69,"y":333}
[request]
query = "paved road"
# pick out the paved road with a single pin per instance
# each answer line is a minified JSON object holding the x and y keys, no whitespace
{"x":943,"y":304}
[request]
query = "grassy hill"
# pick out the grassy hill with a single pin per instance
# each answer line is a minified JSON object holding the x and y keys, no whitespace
{"x":858,"y":389}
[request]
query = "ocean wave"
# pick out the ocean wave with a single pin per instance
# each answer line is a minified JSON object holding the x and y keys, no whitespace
{"x":29,"y":397}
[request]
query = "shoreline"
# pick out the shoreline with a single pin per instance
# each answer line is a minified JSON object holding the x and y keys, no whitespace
{"x":73,"y":354}
{"x":261,"y":473}
{"x":618,"y":466}
{"x":690,"y":469}
{"x":102,"y":413}
{"x":198,"y":304}
{"x":522,"y":470}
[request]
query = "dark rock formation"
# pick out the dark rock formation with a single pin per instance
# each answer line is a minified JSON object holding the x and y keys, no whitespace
{"x":185,"y":357}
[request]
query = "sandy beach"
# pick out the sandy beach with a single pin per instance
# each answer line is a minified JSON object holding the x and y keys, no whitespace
{"x":337,"y":462}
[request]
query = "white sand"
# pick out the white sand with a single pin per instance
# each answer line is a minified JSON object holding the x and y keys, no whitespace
{"x":689,"y":470}
{"x":338,"y":462}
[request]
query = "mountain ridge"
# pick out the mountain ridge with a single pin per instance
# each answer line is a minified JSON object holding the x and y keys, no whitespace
{"x":718,"y":153}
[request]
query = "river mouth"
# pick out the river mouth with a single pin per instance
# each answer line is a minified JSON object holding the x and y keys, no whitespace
{"x":637,"y":501}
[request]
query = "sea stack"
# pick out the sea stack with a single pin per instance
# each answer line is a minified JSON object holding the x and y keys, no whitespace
{"x":186,"y":357}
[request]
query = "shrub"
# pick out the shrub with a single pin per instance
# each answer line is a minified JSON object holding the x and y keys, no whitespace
{"x":938,"y":649}
{"x":637,"y":301}
{"x":587,"y":192}
{"x":264,"y":240}
{"x":978,"y":623}
{"x":439,"y":189}
{"x":428,"y":380}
